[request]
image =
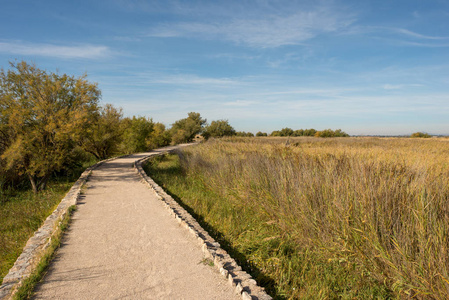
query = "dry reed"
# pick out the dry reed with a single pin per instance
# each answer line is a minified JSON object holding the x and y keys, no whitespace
{"x":336,"y":218}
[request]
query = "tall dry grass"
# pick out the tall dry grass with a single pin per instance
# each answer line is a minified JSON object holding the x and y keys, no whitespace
{"x":338,"y":218}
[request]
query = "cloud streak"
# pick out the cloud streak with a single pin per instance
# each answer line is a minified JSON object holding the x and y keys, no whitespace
{"x":57,"y":51}
{"x":266,"y":31}
{"x":188,"y":79}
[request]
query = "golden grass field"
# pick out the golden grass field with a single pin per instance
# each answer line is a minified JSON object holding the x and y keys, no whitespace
{"x":324,"y":218}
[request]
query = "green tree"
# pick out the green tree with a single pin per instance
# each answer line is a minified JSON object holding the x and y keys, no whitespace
{"x":105,"y":133}
{"x":420,"y":135}
{"x":218,"y":128}
{"x":286,"y":131}
{"x":159,"y":137}
{"x":340,"y":133}
{"x":309,"y":132}
{"x":330,"y":133}
{"x":136,"y":134}
{"x":184,"y":130}
{"x":45,"y":115}
{"x":6,"y":176}
{"x":244,"y":134}
{"x":260,"y":133}
{"x":299,"y":132}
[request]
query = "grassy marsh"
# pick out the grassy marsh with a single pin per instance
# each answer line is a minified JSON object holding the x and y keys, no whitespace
{"x":324,"y":218}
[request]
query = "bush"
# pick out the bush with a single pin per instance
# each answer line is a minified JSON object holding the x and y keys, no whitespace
{"x":330,"y":133}
{"x":160,"y":137}
{"x":136,"y":134}
{"x":420,"y":135}
{"x":244,"y":134}
{"x":219,"y":128}
{"x":184,"y":130}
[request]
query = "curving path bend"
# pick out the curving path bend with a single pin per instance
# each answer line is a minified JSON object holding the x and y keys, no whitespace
{"x":122,"y":244}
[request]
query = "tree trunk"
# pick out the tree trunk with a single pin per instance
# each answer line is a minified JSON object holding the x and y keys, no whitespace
{"x":38,"y":184}
{"x":33,"y":183}
{"x":43,"y":182}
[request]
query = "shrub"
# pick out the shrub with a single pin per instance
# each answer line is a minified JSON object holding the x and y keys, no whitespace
{"x":184,"y":130}
{"x":420,"y":135}
{"x":218,"y":128}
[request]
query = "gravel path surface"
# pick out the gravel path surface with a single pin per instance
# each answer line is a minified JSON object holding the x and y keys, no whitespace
{"x":122,"y":244}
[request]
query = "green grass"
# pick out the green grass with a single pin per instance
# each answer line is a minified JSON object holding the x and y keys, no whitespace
{"x":323,"y":219}
{"x":22,"y":212}
{"x":269,"y":254}
{"x":21,"y":215}
{"x":26,"y":289}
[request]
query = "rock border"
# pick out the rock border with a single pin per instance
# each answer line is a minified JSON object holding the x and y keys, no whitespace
{"x":36,"y":245}
{"x":242,"y":282}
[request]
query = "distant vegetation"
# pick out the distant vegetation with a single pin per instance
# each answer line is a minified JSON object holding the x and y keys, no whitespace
{"x":355,"y":218}
{"x":309,"y":132}
{"x":218,"y":128}
{"x":420,"y":135}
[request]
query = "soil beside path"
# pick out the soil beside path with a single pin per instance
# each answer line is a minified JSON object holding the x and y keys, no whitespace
{"x":122,"y":244}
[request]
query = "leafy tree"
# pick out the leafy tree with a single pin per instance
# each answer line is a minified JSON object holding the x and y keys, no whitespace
{"x":309,"y":132}
{"x":340,"y":133}
{"x":244,"y":134}
{"x":106,"y":132}
{"x":159,"y":137}
{"x":136,"y":134}
{"x":286,"y":131}
{"x":276,"y":133}
{"x":44,"y":116}
{"x":330,"y":133}
{"x":260,"y":133}
{"x":184,"y":130}
{"x":218,"y":128}
{"x":6,"y":176}
{"x":299,"y":132}
{"x":420,"y":135}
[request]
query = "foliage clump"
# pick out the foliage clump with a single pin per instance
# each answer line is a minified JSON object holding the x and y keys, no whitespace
{"x":331,"y":133}
{"x":420,"y":135}
{"x":43,"y":117}
{"x":184,"y":130}
{"x":219,"y":128}
{"x":244,"y":134}
{"x":309,"y":132}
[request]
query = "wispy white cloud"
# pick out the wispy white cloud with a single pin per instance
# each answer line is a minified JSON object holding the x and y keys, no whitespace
{"x":266,"y":31}
{"x":420,"y":44}
{"x":240,"y":103}
{"x":52,"y":50}
{"x":398,"y":36}
{"x":418,"y":35}
{"x":399,"y":86}
{"x":190,"y":79}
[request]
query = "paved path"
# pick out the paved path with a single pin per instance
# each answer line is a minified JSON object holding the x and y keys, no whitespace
{"x":122,"y":244}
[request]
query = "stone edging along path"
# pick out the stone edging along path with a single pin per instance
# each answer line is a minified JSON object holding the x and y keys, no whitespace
{"x":243,"y":283}
{"x":35,"y":247}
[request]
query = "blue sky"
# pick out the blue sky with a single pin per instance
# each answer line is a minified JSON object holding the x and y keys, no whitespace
{"x":367,"y":67}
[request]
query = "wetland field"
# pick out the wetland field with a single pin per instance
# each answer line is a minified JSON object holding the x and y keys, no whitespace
{"x":346,"y":218}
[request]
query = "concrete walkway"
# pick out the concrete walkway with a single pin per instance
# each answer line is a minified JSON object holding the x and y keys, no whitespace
{"x":122,"y":244}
